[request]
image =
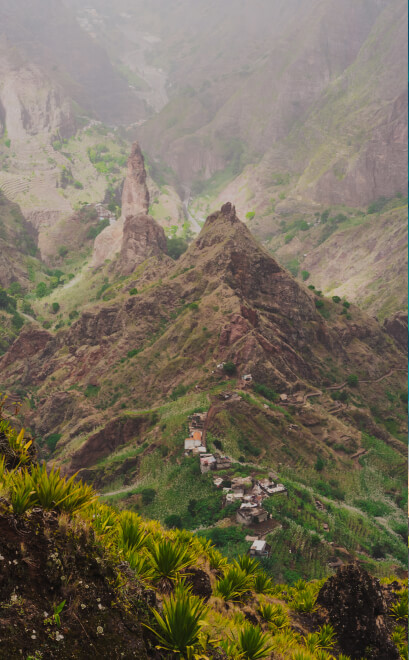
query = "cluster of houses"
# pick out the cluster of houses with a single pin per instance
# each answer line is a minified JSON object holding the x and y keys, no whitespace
{"x":248,"y":491}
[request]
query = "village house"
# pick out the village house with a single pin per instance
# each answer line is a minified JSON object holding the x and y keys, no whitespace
{"x":260,"y":549}
{"x":207,"y":461}
{"x":251,"y":515}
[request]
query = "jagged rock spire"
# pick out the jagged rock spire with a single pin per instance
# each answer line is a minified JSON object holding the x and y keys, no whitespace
{"x":135,"y":195}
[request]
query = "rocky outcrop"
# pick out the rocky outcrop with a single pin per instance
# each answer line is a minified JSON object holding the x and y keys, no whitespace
{"x":142,"y":238}
{"x":357,"y":609}
{"x":397,"y":327}
{"x":116,"y":433}
{"x":29,"y":343}
{"x":135,"y":201}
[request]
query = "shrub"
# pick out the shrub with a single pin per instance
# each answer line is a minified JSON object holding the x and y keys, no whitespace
{"x":352,"y":380}
{"x":336,"y":299}
{"x":52,"y":440}
{"x":148,"y":495}
{"x":176,"y":246}
{"x":266,"y":392}
{"x":55,"y":307}
{"x":62,"y":251}
{"x":41,"y":290}
{"x":250,"y":215}
{"x":319,"y":304}
{"x":229,"y":368}
{"x":319,"y":463}
{"x":305,"y":275}
{"x":311,"y":286}
{"x":346,"y":304}
{"x":133,"y":291}
{"x":178,"y":391}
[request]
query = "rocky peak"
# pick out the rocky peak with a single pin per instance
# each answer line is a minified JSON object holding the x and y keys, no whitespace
{"x":135,"y":195}
{"x":135,"y":201}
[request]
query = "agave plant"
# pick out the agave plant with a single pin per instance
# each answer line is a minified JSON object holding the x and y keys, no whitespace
{"x":103,"y":518}
{"x":17,"y":450}
{"x":253,"y":643}
{"x":235,"y":586}
{"x":216,"y":560}
{"x":140,"y":563}
{"x":169,"y":559}
{"x":180,"y":624}
{"x":304,"y":600}
{"x":275,"y":615}
{"x":132,"y":533}
{"x":22,"y":494}
{"x":247,"y":564}
{"x":263,"y":584}
{"x":326,"y":637}
{"x":399,"y":610}
{"x":55,"y":492}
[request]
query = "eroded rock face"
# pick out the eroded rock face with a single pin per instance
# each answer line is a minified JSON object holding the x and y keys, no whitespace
{"x":397,"y":328}
{"x":142,"y":238}
{"x":31,"y":341}
{"x":356,"y":608}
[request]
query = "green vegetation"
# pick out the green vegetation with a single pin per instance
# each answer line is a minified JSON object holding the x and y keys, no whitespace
{"x":229,"y":368}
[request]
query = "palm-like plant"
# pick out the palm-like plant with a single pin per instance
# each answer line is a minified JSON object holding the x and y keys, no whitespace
{"x":275,"y":615}
{"x":235,"y":586}
{"x":253,"y":643}
{"x":216,"y":560}
{"x":399,"y":610}
{"x":22,"y":495}
{"x":168,"y":560}
{"x":103,"y":518}
{"x":304,"y":600}
{"x":55,"y":492}
{"x":178,"y":628}
{"x":132,"y":534}
{"x":247,"y":564}
{"x":263,"y":584}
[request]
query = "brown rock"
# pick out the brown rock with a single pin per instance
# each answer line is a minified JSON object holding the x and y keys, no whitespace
{"x":31,"y":341}
{"x":397,"y":328}
{"x":142,"y":238}
{"x":357,"y":610}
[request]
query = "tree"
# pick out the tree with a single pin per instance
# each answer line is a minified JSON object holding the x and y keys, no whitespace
{"x":336,"y":299}
{"x":62,"y":251}
{"x":41,"y":290}
{"x":229,"y":368}
{"x":55,"y":307}
{"x":305,"y":275}
{"x":173,"y":521}
{"x":4,"y":298}
{"x":176,"y":246}
{"x":352,"y":380}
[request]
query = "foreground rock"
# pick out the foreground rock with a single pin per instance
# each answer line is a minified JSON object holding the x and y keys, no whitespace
{"x":357,"y":609}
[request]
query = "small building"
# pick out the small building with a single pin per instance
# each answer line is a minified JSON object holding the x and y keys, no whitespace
{"x":248,"y":378}
{"x":207,"y":463}
{"x":218,"y":482}
{"x":191,"y":443}
{"x":197,"y":435}
{"x":245,"y":483}
{"x":260,"y":549}
{"x":221,"y":462}
{"x":199,"y":450}
{"x":283,"y":397}
{"x":250,"y":515}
